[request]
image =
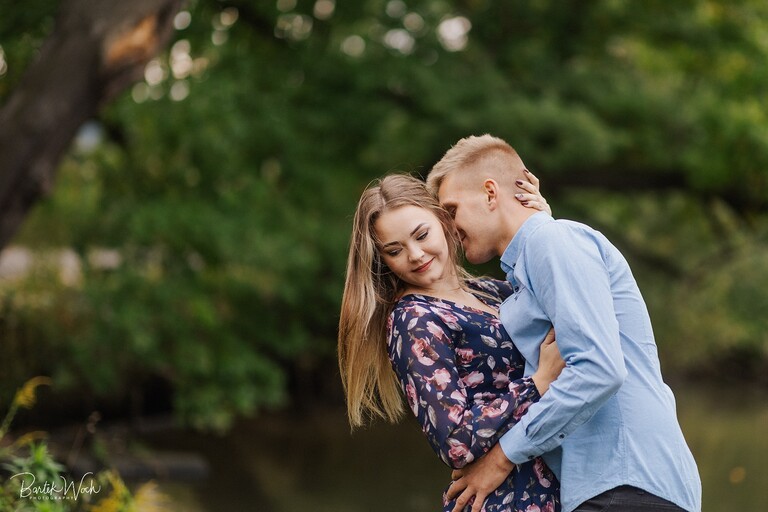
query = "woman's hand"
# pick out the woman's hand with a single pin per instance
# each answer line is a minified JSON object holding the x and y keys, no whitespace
{"x":531,"y":197}
{"x":550,"y":363}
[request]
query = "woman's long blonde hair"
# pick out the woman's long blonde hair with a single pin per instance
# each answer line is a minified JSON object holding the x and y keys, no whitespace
{"x":370,"y":293}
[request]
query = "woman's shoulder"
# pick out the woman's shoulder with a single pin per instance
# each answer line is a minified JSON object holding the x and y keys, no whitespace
{"x":496,"y":288}
{"x":413,"y":310}
{"x":414,"y":305}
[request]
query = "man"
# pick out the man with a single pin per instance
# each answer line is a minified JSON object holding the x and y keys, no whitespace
{"x":607,"y":427}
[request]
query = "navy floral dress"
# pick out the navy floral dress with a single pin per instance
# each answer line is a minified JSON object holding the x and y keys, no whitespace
{"x":463,"y":379}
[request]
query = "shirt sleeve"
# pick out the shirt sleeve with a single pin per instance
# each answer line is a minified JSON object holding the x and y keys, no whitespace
{"x":458,"y":429}
{"x":567,"y":275}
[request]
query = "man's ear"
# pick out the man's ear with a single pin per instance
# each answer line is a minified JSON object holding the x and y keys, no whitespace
{"x":491,"y":191}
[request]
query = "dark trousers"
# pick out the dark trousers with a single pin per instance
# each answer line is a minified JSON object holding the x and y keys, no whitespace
{"x":627,"y":499}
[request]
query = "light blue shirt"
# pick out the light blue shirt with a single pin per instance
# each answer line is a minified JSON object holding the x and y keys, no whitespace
{"x":609,"y":419}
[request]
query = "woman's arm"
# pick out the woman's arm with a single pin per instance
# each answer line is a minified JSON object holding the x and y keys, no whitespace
{"x":459,"y":430}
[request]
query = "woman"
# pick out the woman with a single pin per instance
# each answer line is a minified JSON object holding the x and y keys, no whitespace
{"x":408,"y":306}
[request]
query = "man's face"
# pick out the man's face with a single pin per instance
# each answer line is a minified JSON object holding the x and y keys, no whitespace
{"x":469,"y":207}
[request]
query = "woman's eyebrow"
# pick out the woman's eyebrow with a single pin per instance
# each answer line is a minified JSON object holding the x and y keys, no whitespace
{"x":412,"y":232}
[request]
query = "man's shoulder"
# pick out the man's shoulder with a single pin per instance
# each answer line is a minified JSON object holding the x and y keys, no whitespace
{"x":566,"y":241}
{"x":552,"y":232}
{"x":558,"y":231}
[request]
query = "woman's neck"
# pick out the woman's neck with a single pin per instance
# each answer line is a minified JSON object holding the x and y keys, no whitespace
{"x":443,"y":288}
{"x":453,"y":292}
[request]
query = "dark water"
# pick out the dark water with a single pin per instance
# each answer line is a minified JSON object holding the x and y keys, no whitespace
{"x":278,"y":464}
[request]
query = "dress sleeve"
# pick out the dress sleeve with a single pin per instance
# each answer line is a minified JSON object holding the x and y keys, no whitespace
{"x":458,"y":429}
{"x":500,"y":290}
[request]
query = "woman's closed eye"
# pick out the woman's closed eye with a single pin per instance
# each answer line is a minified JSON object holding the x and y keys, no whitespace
{"x":423,"y":235}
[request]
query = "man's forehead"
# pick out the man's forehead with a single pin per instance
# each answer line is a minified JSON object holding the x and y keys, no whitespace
{"x":449,"y":191}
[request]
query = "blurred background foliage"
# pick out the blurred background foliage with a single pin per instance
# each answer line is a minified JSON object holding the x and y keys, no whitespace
{"x":195,"y":240}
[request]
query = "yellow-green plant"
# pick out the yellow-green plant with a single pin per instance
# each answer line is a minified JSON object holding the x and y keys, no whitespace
{"x":28,"y":457}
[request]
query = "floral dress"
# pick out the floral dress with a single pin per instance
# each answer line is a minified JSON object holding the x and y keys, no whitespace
{"x":463,"y":379}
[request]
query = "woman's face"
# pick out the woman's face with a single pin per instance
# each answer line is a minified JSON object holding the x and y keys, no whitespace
{"x":413,"y":246}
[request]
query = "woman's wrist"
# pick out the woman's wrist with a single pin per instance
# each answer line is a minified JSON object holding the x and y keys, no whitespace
{"x":541,"y":382}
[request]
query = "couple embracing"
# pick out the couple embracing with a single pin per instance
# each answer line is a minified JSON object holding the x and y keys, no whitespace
{"x":543,"y":392}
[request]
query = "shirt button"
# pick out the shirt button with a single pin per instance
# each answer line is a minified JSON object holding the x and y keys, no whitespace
{"x":561,"y":436}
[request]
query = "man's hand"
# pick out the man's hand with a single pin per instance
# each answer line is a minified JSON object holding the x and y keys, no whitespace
{"x":479,"y":479}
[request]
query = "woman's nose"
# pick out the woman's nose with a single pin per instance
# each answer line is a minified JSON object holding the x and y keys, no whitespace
{"x":415,"y":254}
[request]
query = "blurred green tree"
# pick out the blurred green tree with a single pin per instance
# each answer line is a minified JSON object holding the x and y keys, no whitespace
{"x":211,"y":214}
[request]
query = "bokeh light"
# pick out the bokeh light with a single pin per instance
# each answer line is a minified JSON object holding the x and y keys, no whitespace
{"x":324,"y":9}
{"x":182,"y":20}
{"x":396,"y":9}
{"x":400,"y":40}
{"x":453,"y":33}
{"x":286,"y":5}
{"x":354,"y":46}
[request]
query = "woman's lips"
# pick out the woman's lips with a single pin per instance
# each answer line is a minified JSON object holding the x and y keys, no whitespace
{"x":424,"y":267}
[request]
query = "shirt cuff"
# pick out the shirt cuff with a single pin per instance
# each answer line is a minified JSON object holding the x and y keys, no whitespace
{"x":517,"y":447}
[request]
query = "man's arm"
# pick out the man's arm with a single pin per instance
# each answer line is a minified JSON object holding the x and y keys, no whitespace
{"x":569,"y":279}
{"x":567,"y":275}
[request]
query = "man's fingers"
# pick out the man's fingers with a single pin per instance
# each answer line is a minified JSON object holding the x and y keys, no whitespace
{"x":456,"y":474}
{"x":456,"y":487}
{"x":477,"y":506}
{"x":462,"y":500}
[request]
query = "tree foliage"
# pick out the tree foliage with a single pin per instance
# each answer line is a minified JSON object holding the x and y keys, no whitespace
{"x":224,"y":183}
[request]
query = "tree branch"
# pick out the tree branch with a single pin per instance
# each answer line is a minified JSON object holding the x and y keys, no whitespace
{"x":96,"y":50}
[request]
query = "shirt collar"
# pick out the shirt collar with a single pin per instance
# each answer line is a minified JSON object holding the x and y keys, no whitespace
{"x":512,"y":252}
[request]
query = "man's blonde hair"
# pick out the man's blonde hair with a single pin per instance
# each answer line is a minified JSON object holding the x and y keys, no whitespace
{"x":492,"y":152}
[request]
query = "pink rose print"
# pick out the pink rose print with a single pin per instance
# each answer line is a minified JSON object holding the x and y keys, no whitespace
{"x":473,"y":379}
{"x":520,"y":411}
{"x":548,"y":507}
{"x":455,"y":413}
{"x":495,"y":408}
{"x":425,"y":354}
{"x":410,"y":392}
{"x":466,"y":355}
{"x":451,"y":320}
{"x":500,"y":380}
{"x":541,"y":470}
{"x":485,"y":397}
{"x":441,"y":378}
{"x":435,"y":330}
{"x":532,"y":508}
{"x":459,"y":453}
